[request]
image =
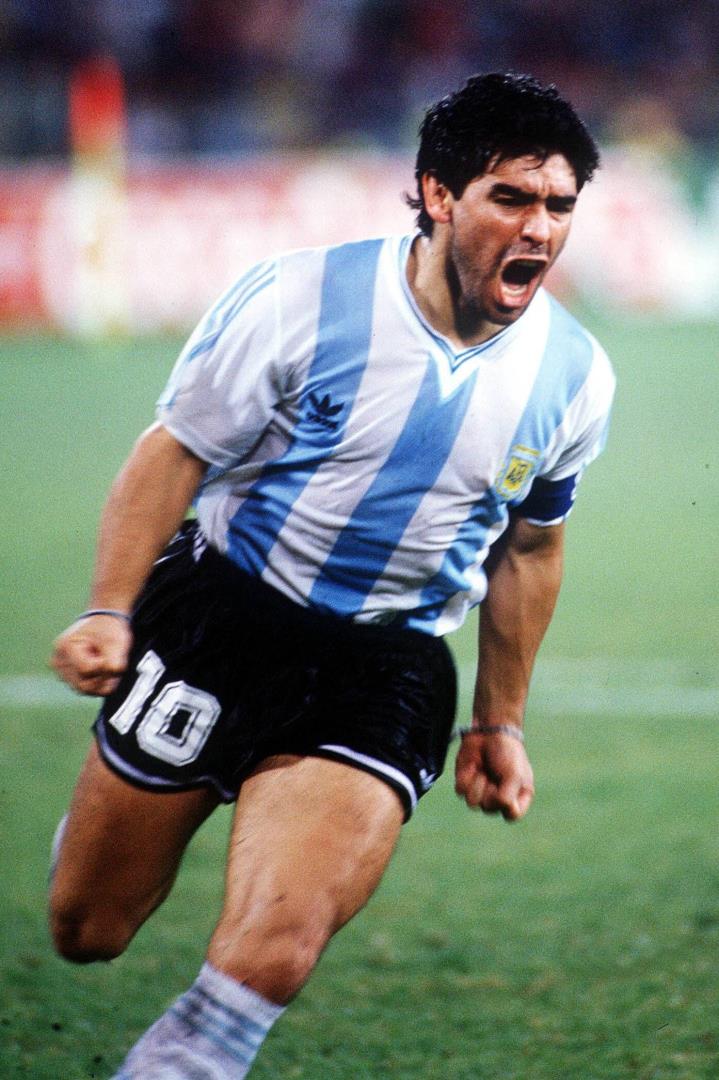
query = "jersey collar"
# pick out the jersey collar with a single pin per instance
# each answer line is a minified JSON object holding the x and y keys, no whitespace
{"x":455,"y":357}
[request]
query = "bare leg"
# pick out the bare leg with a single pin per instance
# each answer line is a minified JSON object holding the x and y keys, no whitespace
{"x":310,"y":842}
{"x":117,"y":859}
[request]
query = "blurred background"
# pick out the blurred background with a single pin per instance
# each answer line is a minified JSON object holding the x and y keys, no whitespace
{"x":301,"y":117}
{"x":229,"y":77}
{"x":149,"y":151}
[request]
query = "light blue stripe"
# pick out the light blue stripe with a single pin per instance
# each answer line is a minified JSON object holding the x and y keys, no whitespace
{"x":364,"y":547}
{"x":252,"y":1031}
{"x":450,"y":578}
{"x":232,"y":1042}
{"x":562,"y":372}
{"x":343,"y":341}
{"x":238,"y":1053}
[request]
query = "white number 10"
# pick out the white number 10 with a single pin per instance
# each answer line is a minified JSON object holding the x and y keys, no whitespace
{"x":155,"y":734}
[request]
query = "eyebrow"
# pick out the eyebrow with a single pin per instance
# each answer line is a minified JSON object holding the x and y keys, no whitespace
{"x":527,"y":197}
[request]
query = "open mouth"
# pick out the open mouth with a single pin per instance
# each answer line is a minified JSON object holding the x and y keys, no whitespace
{"x":518,"y":280}
{"x":521,"y":272}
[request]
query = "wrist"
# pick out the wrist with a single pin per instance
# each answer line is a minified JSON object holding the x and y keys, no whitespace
{"x":106,"y":599}
{"x":513,"y":730}
{"x":115,"y":613}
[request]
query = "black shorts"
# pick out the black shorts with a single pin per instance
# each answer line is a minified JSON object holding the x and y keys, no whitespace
{"x":225,"y":671}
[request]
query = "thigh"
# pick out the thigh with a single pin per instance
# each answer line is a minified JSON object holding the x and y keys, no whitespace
{"x":310,"y":842}
{"x":122,"y":845}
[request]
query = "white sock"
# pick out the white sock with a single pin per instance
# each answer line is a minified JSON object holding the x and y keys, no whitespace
{"x":212,"y":1032}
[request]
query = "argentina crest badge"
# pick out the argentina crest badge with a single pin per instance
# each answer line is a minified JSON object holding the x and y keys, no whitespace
{"x":517,"y":471}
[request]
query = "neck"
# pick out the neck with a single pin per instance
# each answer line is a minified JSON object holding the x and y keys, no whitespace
{"x":435,"y":287}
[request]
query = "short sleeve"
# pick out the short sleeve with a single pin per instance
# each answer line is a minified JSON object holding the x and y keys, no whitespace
{"x":578,"y":440}
{"x":582,"y":434}
{"x":223,"y":389}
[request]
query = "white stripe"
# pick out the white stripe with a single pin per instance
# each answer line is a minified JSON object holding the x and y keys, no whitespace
{"x":612,"y":686}
{"x":40,"y":692}
{"x":128,"y":770}
{"x":378,"y":766}
{"x":608,"y":686}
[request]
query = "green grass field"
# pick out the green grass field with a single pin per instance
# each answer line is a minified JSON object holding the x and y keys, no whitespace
{"x":581,"y":943}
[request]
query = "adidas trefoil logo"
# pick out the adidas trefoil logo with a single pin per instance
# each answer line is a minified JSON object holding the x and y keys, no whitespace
{"x":321,"y":411}
{"x":427,"y":778}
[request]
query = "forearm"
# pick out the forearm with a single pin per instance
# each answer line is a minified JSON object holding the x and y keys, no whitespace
{"x":523,"y":588}
{"x":146,"y":505}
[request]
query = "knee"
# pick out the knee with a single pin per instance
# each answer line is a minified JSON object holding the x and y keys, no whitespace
{"x":275,"y":962}
{"x":83,"y":935}
{"x":285,"y":965}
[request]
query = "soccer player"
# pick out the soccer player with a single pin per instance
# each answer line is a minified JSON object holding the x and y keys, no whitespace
{"x":377,"y":437}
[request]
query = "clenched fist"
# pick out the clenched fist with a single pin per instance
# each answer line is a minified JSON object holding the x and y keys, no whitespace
{"x":492,"y":772}
{"x":91,"y":655}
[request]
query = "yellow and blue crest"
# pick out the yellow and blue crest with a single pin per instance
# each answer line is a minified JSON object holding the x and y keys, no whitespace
{"x":516,"y":474}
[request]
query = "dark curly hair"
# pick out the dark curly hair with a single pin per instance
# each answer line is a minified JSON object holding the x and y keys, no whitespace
{"x":491,"y":119}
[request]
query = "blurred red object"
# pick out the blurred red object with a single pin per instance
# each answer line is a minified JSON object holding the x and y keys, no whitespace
{"x":97,"y":115}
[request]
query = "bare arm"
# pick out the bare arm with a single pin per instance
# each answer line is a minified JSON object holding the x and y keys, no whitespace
{"x":147,"y":504}
{"x":492,"y":770}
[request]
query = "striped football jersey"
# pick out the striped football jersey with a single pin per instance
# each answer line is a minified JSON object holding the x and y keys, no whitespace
{"x":359,"y":463}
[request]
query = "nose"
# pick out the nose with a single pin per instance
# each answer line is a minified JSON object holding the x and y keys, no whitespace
{"x":536,"y":226}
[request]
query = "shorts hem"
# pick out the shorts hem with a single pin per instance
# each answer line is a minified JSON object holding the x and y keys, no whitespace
{"x":159,"y":785}
{"x":390,"y":774}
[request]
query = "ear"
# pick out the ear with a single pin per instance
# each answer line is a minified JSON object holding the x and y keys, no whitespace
{"x":438,"y":199}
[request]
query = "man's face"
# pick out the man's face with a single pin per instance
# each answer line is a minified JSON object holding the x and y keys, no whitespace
{"x":507,"y":229}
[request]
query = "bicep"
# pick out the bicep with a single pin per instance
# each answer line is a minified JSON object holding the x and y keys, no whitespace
{"x":524,"y":549}
{"x":160,"y":444}
{"x":160,"y":461}
{"x":525,"y":537}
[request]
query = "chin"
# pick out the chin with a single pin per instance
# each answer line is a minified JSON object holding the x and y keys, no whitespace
{"x":506,"y":316}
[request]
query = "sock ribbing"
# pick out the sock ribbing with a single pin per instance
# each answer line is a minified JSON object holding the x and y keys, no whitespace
{"x":212,"y":1032}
